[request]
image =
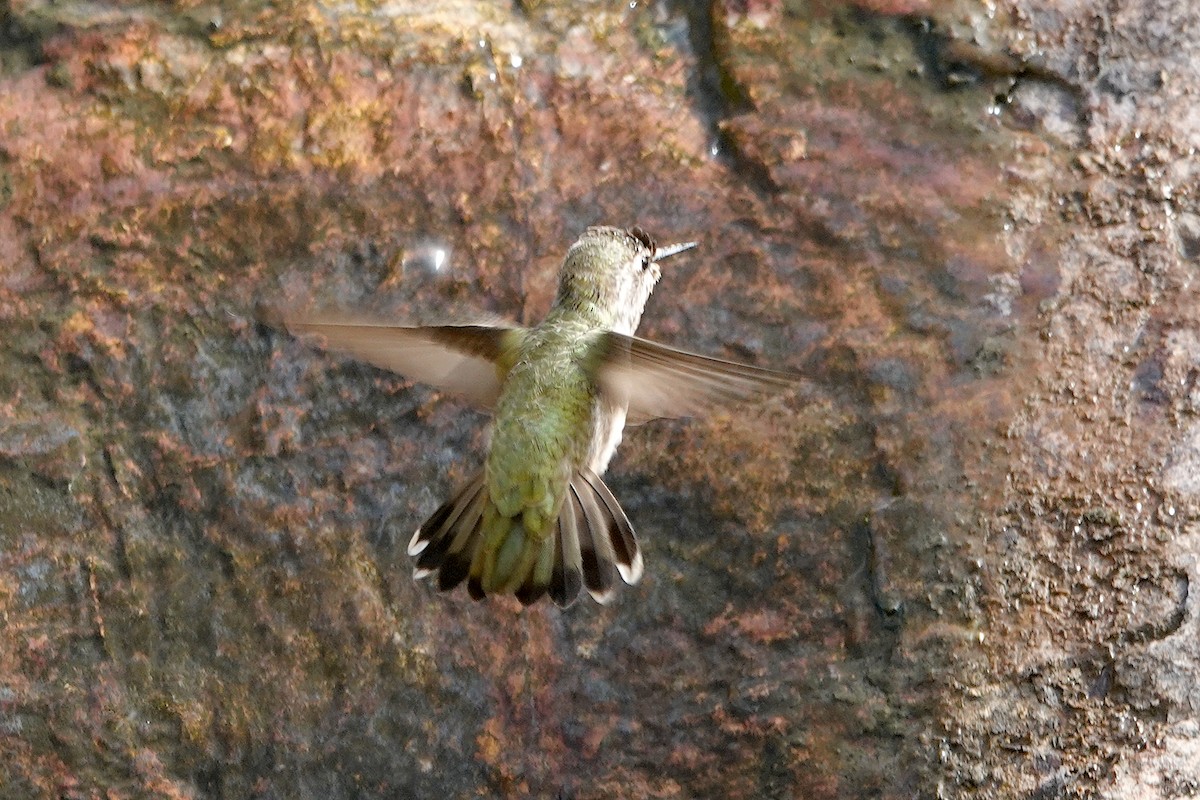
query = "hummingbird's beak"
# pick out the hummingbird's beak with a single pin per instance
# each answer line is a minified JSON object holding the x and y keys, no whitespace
{"x":662,"y":252}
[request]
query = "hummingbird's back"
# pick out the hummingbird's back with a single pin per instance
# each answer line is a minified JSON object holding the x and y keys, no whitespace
{"x":542,"y":429}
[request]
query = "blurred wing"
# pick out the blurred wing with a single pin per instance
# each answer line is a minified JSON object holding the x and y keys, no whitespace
{"x":660,"y":381}
{"x":470,"y":360}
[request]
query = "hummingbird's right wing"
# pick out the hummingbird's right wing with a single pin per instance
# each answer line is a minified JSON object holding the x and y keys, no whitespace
{"x":470,"y":360}
{"x":660,"y":381}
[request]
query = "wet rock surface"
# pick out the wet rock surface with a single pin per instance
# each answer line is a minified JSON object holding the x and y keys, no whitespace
{"x":956,"y":562}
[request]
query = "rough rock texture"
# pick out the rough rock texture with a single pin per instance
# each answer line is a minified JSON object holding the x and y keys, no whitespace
{"x":958,"y":562}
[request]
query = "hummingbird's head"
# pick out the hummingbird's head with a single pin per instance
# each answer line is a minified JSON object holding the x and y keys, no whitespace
{"x":609,"y":273}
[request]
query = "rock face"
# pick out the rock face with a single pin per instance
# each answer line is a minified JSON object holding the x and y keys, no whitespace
{"x":958,"y":563}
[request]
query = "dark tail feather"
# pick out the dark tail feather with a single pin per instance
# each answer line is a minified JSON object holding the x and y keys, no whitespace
{"x":595,"y":545}
{"x":591,"y":539}
{"x":567,"y":577}
{"x":537,"y":583}
{"x":447,"y":542}
{"x":624,"y":541}
{"x":606,"y":539}
{"x":433,"y":539}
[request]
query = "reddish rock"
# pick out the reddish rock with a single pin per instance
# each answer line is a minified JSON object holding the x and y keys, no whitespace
{"x":956,"y":562}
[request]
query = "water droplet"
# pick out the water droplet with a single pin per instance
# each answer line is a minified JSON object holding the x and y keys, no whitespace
{"x":432,"y":258}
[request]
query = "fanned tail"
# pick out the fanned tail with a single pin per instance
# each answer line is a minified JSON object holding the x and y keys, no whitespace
{"x":590,"y":540}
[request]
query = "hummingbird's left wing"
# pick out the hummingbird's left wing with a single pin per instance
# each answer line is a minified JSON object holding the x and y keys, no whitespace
{"x":661,"y":381}
{"x":470,"y":360}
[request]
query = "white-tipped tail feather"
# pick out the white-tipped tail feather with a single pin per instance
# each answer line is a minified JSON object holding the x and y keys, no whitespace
{"x":591,"y":540}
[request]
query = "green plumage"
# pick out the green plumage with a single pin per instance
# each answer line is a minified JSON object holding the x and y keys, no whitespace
{"x":543,"y":429}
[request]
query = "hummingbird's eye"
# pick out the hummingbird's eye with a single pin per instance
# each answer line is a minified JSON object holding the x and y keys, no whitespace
{"x":647,"y":260}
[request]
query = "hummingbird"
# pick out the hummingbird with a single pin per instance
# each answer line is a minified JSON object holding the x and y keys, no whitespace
{"x":537,"y":519}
